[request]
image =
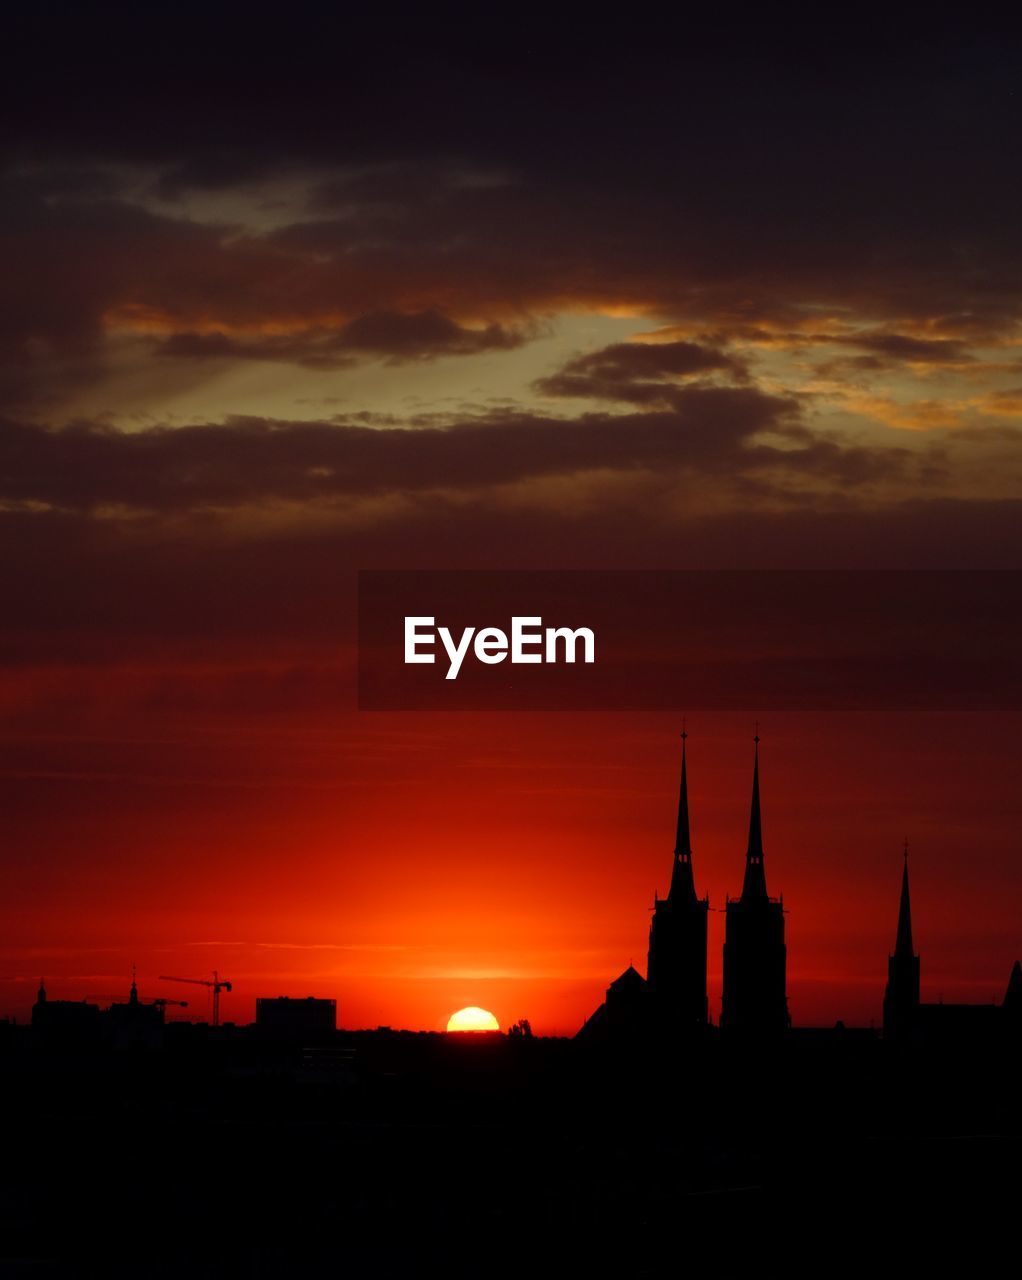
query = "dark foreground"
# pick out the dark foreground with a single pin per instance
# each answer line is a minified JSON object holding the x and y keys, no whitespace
{"x":394,"y":1155}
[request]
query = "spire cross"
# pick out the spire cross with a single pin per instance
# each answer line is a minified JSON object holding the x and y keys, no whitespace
{"x":906,"y":849}
{"x":755,"y":736}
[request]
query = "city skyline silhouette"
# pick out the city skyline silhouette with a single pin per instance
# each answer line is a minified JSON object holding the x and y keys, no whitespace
{"x":309,"y":1130}
{"x":672,"y":1000}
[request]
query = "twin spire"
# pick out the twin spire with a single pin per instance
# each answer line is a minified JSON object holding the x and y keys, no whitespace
{"x":683,"y":887}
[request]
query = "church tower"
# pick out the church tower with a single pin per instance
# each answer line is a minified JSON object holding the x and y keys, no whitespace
{"x":901,"y":998}
{"x":755,"y":957}
{"x":676,"y":967}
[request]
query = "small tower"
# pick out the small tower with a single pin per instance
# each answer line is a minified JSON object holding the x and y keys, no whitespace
{"x":901,"y":998}
{"x":755,"y":957}
{"x":676,"y":965}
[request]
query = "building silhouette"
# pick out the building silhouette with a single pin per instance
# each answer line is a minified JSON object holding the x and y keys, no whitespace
{"x":676,"y":963}
{"x":901,"y":997}
{"x":755,"y":997}
{"x":282,"y":1018}
{"x":908,"y":1020}
{"x":62,"y":1022}
{"x":134,"y":1024}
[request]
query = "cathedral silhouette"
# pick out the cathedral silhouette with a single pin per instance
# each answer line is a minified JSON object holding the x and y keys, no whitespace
{"x":671,"y":1001}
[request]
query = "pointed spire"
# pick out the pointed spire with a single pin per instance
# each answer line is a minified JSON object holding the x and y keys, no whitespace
{"x":903,"y":945}
{"x":755,"y":876}
{"x":133,"y":997}
{"x":683,"y":887}
{"x":755,"y":849}
{"x":683,"y":843}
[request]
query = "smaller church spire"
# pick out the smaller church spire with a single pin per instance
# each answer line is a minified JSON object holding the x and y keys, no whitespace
{"x":901,"y":999}
{"x":754,"y":885}
{"x":903,"y":945}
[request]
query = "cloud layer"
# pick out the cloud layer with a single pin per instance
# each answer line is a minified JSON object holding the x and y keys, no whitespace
{"x":658,"y":290}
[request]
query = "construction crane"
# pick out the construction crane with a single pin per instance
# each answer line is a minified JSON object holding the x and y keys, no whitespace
{"x":161,"y":1002}
{"x":216,"y":985}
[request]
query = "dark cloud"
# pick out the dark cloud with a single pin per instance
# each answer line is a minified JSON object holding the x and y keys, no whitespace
{"x":426,"y":259}
{"x":251,"y":460}
{"x":392,"y":336}
{"x":888,"y":351}
{"x":248,"y":462}
{"x":636,"y":372}
{"x":903,"y":347}
{"x":694,"y":257}
{"x":422,"y":333}
{"x":72,"y":266}
{"x":843,"y":365}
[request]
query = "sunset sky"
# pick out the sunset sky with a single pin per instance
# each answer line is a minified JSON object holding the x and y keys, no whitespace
{"x":286,"y":302}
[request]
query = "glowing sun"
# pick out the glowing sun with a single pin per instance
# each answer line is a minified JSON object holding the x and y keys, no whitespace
{"x":472,"y":1019}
